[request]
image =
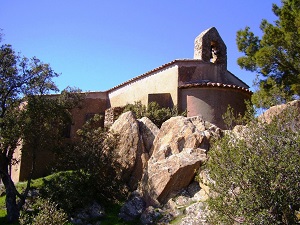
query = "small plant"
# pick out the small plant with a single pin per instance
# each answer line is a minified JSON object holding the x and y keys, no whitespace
{"x":41,"y":212}
{"x":137,"y":108}
{"x":232,"y":118}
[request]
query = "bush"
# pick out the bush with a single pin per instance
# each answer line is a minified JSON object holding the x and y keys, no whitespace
{"x":41,"y":212}
{"x":256,"y":173}
{"x":94,"y":169}
{"x":154,"y":112}
{"x":137,"y":108}
{"x":70,"y":190}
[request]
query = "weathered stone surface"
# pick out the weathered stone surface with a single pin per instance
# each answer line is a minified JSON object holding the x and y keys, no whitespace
{"x":187,"y":207}
{"x":195,"y":214}
{"x":130,"y":151}
{"x":179,"y":150}
{"x":93,"y":211}
{"x":133,"y":208}
{"x":148,"y":131}
{"x":204,"y":181}
{"x":151,"y":215}
{"x":209,"y":46}
{"x":172,"y":174}
{"x":179,"y":132}
{"x":279,"y":109}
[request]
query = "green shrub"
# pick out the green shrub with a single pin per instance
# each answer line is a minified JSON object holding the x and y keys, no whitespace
{"x":41,"y":212}
{"x":94,"y":173}
{"x":256,"y":173}
{"x":153,"y":111}
{"x":70,"y":190}
{"x":137,"y":108}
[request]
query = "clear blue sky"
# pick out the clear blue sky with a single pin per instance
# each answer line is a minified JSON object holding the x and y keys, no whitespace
{"x":97,"y":44}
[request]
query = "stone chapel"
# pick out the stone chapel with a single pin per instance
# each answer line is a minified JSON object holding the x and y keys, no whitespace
{"x":202,"y":86}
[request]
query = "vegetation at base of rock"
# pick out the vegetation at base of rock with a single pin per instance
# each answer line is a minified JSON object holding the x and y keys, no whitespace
{"x":68,"y":198}
{"x":111,"y":208}
{"x":274,"y":56}
{"x":43,"y":211}
{"x":255,"y":173}
{"x":93,"y":165}
{"x":153,"y":111}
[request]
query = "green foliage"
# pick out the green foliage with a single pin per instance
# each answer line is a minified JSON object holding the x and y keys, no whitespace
{"x":20,"y":79}
{"x":231,"y":118}
{"x":92,"y":159}
{"x":112,"y":211}
{"x":255,"y":173}
{"x":275,"y":57}
{"x":69,"y":192}
{"x":29,"y":117}
{"x":137,"y":108}
{"x":154,"y":112}
{"x":270,"y":93}
{"x":41,"y":212}
{"x":79,"y":191}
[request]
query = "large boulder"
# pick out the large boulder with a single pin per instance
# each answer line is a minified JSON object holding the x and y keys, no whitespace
{"x":148,"y":131}
{"x":130,"y":152}
{"x":277,"y":110}
{"x":187,"y":207}
{"x":178,"y":151}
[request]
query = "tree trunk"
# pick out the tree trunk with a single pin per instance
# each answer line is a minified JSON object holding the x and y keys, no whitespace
{"x":13,"y":211}
{"x":12,"y":208}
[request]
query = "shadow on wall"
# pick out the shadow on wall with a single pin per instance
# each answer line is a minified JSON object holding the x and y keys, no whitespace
{"x":164,"y":100}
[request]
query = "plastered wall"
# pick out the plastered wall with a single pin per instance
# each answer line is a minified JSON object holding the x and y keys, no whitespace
{"x":162,"y":81}
{"x":15,"y":170}
{"x":94,"y":103}
{"x":211,"y":103}
{"x":44,"y":161}
{"x":199,"y":71}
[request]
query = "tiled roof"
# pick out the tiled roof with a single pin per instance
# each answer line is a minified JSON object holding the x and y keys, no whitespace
{"x":165,"y":66}
{"x":220,"y":85}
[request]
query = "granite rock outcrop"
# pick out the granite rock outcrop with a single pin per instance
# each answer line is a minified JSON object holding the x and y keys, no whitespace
{"x":178,"y":151}
{"x":160,"y":163}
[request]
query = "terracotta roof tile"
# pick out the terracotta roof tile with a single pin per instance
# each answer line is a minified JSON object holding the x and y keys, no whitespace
{"x":210,"y":84}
